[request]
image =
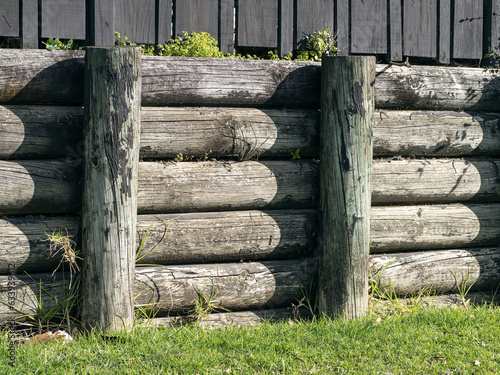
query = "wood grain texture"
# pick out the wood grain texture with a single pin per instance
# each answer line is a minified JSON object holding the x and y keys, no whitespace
{"x":411,"y":228}
{"x":164,"y":21}
{"x":229,"y":82}
{"x":217,"y":186}
{"x":238,"y":286}
{"x":227,"y":236}
{"x":135,"y":19}
{"x":395,"y":44}
{"x":445,"y":35}
{"x":343,"y":26}
{"x":438,"y":270}
{"x":369,"y":26}
{"x":401,"y":87}
{"x":39,"y":187}
{"x":347,"y":103}
{"x":29,"y":24}
{"x":435,"y":181}
{"x":198,"y":16}
{"x":31,"y":132}
{"x":468,"y":29}
{"x":63,"y":19}
{"x":432,"y":134}
{"x":285,"y":27}
{"x":9,"y":18}
{"x":243,"y":133}
{"x":257,"y":23}
{"x":227,"y":24}
{"x":313,"y":15}
{"x":109,"y":203}
{"x":420,"y":28}
{"x":101,"y":22}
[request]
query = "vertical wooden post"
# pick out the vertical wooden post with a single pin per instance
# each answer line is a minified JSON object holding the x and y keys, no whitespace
{"x":112,"y":128}
{"x":29,"y":24}
{"x":100,"y":23}
{"x":347,"y":101}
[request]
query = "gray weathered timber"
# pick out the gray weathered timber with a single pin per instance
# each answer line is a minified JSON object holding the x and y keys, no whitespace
{"x":342,"y":13}
{"x":435,"y":181}
{"x":225,"y":185}
{"x":229,"y":82}
{"x":9,"y":18}
{"x":438,"y":270}
{"x":227,"y":236}
{"x":31,"y":132}
{"x":285,"y":27}
{"x":395,"y":45}
{"x":164,"y":20}
{"x":411,"y":228}
{"x":468,"y":29}
{"x":39,"y":187}
{"x":109,"y":205}
{"x":445,"y":25}
{"x":420,"y":28}
{"x":29,"y":28}
{"x":244,"y":133}
{"x":226,"y":37}
{"x":64,"y":19}
{"x":427,"y":133}
{"x":369,"y":26}
{"x":100,"y":23}
{"x":237,"y":318}
{"x":257,"y":23}
{"x":347,"y":103}
{"x":313,"y":15}
{"x":135,"y":19}
{"x":237,"y":286}
{"x":434,"y":87}
{"x":41,"y":76}
{"x":24,"y":242}
{"x":197,"y":15}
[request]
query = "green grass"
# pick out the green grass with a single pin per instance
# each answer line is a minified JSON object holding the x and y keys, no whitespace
{"x":427,"y":341}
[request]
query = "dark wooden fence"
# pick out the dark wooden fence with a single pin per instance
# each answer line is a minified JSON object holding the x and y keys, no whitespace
{"x":437,"y":29}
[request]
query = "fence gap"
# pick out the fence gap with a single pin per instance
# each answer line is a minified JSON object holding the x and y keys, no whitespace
{"x":109,"y":213}
{"x":347,"y":102}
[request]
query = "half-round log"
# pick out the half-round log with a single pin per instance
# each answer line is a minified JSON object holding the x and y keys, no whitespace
{"x":441,"y":271}
{"x":439,"y":133}
{"x":410,"y":228}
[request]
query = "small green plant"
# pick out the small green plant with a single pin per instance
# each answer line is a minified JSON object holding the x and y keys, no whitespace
{"x":66,"y":247}
{"x":318,"y":44}
{"x":139,"y":254}
{"x":296,"y":154}
{"x":463,"y":286}
{"x":181,"y":157}
{"x":206,"y":304}
{"x":191,"y":45}
{"x":494,"y":58}
{"x":55,"y":44}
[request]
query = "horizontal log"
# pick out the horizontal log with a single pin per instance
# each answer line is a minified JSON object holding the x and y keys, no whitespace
{"x":237,"y":318}
{"x":57,"y":77}
{"x":55,"y":132}
{"x":227,"y":236}
{"x":53,"y":186}
{"x":188,"y":238}
{"x":435,"y":181}
{"x":240,"y":132}
{"x":436,"y":88}
{"x":39,"y":187}
{"x":428,"y":133}
{"x":223,"y":185}
{"x":410,"y":228}
{"x":174,"y":289}
{"x":236,"y":286}
{"x":443,"y":271}
{"x":41,"y":76}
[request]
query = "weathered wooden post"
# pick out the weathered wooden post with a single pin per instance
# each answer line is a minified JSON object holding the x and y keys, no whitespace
{"x":112,"y":128}
{"x":347,"y":101}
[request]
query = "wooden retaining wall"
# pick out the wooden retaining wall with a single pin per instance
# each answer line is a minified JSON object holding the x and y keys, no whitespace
{"x":246,"y":215}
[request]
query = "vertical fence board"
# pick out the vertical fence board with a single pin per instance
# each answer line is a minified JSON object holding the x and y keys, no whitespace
{"x":100,"y":22}
{"x":495,"y":25}
{"x":342,"y":23}
{"x":468,"y":29}
{"x":9,"y":18}
{"x":420,"y":28}
{"x":198,"y":16}
{"x":164,"y":21}
{"x":257,"y":24}
{"x":135,"y":19}
{"x":285,"y":30}
{"x":396,"y":31}
{"x":226,"y":37}
{"x":444,"y":31}
{"x":64,"y":19}
{"x":313,"y":15}
{"x":29,"y":24}
{"x":369,"y":26}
